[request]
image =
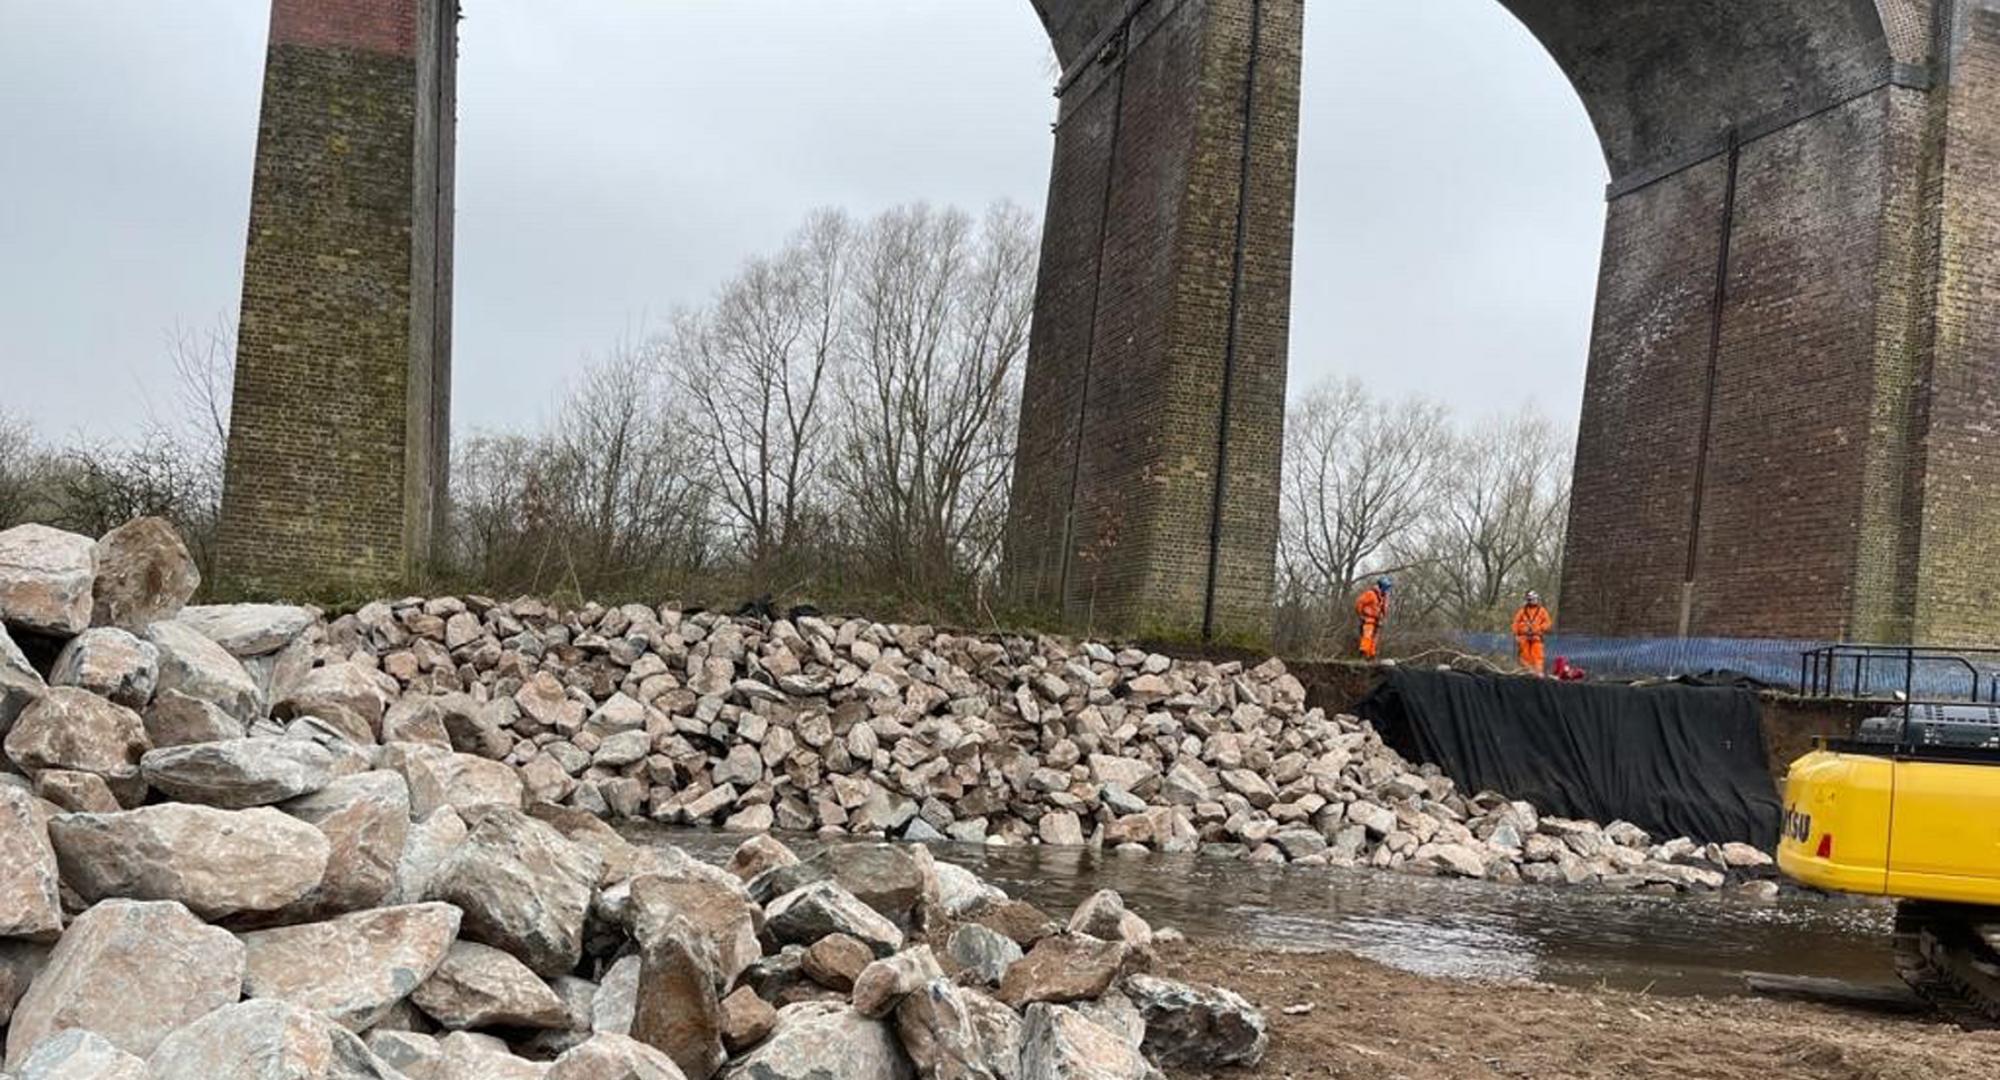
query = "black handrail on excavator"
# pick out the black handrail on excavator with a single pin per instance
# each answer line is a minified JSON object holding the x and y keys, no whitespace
{"x":1820,"y":669}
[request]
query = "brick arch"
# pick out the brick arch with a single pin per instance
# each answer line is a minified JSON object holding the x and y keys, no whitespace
{"x":1787,"y":429}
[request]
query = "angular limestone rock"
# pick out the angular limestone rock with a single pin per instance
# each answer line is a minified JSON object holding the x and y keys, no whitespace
{"x":144,"y":575}
{"x":883,"y":985}
{"x":68,"y":728}
{"x":110,"y":663}
{"x":1063,"y":969}
{"x":425,"y":847}
{"x":246,"y":630}
{"x":217,"y":862}
{"x":365,"y":818}
{"x":45,"y":579}
{"x":614,"y":1057}
{"x":805,"y":915}
{"x":176,"y":719}
{"x":354,"y":968}
{"x":199,"y":668}
{"x":477,"y":986}
{"x":440,"y":777}
{"x":266,"y":1040}
{"x":77,"y":1054}
{"x":1197,"y":1027}
{"x":237,"y":774}
{"x":131,"y":971}
{"x":812,"y":1039}
{"x":677,"y":1008}
{"x":523,"y":888}
{"x":30,"y":888}
{"x":1059,"y":1043}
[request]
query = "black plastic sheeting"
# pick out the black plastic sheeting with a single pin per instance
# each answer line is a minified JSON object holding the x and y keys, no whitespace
{"x":1673,"y":760}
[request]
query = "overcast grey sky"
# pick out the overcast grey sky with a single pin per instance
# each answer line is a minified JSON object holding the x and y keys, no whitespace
{"x":619,"y":157}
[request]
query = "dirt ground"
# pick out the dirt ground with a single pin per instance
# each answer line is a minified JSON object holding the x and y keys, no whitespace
{"x":1369,"y":1021}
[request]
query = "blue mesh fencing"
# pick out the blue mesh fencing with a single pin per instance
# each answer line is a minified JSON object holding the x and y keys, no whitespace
{"x":1773,"y":661}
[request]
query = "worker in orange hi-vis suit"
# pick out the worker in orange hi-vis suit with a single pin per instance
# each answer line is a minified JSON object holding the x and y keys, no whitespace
{"x":1372,"y":606}
{"x":1531,"y":624}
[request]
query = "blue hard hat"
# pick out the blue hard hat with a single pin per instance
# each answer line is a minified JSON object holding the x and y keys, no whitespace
{"x":1384,"y":582}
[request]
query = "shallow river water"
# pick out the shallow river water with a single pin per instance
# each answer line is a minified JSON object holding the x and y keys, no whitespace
{"x":1700,"y":944}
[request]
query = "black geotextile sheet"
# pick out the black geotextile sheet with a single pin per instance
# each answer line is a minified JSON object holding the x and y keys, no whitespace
{"x":1674,"y":760}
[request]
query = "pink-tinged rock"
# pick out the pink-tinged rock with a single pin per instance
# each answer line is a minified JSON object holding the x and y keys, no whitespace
{"x":266,"y":1040}
{"x":217,"y":862}
{"x":45,"y":579}
{"x":77,"y":1054}
{"x":352,"y":969}
{"x":366,"y":821}
{"x":810,"y":1035}
{"x":132,"y":972}
{"x":614,"y":1057}
{"x":144,"y":575}
{"x":30,"y":900}
{"x":237,"y":774}
{"x":440,"y":777}
{"x":67,"y":728}
{"x":1060,"y":1043}
{"x":523,"y":886}
{"x":199,"y":668}
{"x":110,"y":663}
{"x":477,"y":986}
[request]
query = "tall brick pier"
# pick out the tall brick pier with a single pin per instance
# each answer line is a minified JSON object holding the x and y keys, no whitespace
{"x":340,"y":429}
{"x":1790,"y":426}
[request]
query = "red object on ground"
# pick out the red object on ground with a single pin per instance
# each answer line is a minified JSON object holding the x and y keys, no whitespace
{"x":1568,"y":672}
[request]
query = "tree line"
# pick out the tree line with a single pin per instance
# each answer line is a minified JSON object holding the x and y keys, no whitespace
{"x":836,"y":424}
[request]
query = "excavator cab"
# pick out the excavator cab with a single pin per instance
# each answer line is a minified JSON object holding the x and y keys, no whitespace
{"x":1909,"y":807}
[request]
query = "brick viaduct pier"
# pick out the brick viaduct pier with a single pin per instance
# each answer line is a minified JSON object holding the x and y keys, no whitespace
{"x":1790,"y":425}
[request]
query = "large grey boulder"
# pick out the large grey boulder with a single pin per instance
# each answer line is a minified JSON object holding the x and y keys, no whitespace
{"x":237,"y":774}
{"x":199,"y":668}
{"x":891,"y":878}
{"x":677,"y":1007}
{"x":217,"y":862}
{"x":415,"y":1055}
{"x":722,"y":916}
{"x":45,"y":579}
{"x":805,"y":915}
{"x":20,"y":683}
{"x":470,"y":1056}
{"x":1060,"y":1043}
{"x":332,"y":690}
{"x":130,"y":971}
{"x":110,"y":663}
{"x":354,"y":968}
{"x":1197,"y":1027}
{"x":176,"y":719}
{"x":523,"y":887}
{"x":30,"y":885}
{"x":817,"y":1040}
{"x":440,"y":777}
{"x":365,"y":818}
{"x":77,"y":1054}
{"x":144,"y":574}
{"x":266,"y":1040}
{"x":884,"y":984}
{"x":68,"y":728}
{"x":983,"y":953}
{"x":246,"y":630}
{"x":426,"y":845}
{"x":478,"y":986}
{"x":614,"y":1057}
{"x":937,"y":1030}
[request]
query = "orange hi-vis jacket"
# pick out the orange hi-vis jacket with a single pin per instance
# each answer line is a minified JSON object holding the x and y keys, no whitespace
{"x":1532,"y":622}
{"x":1371,"y":605}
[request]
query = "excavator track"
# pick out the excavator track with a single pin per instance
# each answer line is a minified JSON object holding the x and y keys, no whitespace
{"x":1950,"y":955}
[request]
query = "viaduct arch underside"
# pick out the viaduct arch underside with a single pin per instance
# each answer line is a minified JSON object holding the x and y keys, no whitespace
{"x":1789,"y":430}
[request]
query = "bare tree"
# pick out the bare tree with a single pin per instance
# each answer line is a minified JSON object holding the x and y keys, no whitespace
{"x":937,"y":335}
{"x":755,"y":367}
{"x":20,"y":465}
{"x":1498,"y":529}
{"x":1360,"y":475}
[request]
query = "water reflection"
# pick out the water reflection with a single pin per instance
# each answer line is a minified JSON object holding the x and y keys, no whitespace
{"x":1432,"y":926}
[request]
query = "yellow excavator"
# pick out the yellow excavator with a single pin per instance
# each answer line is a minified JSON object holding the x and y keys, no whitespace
{"x":1908,"y":807}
